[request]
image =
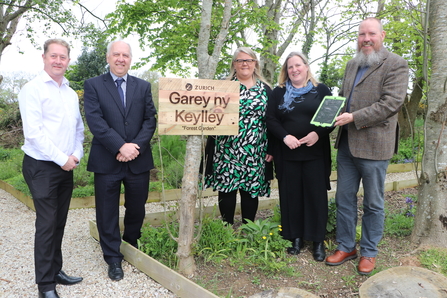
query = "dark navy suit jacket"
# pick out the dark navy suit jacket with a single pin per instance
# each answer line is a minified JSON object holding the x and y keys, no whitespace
{"x":112,"y":126}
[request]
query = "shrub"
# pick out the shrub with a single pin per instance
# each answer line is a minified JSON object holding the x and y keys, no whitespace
{"x":173,"y":150}
{"x":157,"y":243}
{"x":83,"y":191}
{"x":19,"y":183}
{"x":11,"y":163}
{"x":402,"y":222}
{"x":410,"y":150}
{"x":216,"y":240}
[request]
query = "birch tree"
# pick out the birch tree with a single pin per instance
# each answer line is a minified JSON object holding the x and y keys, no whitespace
{"x":431,"y":218}
{"x":207,"y":64}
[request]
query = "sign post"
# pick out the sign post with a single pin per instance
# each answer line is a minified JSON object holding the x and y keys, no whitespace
{"x":196,"y":107}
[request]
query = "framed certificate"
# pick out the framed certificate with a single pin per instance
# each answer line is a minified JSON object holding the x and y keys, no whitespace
{"x":328,"y":110}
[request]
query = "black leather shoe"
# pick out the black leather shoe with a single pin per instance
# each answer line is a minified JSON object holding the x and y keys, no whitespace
{"x":319,"y":251}
{"x":115,"y":271}
{"x":64,"y":279}
{"x":297,"y":245}
{"x":49,"y":294}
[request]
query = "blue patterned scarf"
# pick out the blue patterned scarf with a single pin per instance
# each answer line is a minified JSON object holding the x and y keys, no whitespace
{"x":294,"y":95}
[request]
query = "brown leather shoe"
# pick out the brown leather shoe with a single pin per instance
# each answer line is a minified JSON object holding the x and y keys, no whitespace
{"x":366,"y":265}
{"x":339,"y":257}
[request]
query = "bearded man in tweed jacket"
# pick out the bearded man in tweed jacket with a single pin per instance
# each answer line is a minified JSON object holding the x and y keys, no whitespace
{"x":375,"y":85}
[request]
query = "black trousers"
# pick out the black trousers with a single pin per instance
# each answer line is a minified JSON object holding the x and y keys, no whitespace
{"x":107,"y":199}
{"x":227,"y":206}
{"x":303,"y":200}
{"x":51,"y":189}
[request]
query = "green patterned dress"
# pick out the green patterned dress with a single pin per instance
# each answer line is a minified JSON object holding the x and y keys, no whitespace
{"x":239,"y":161}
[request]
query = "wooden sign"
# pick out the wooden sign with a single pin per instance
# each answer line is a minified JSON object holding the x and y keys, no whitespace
{"x":196,"y":106}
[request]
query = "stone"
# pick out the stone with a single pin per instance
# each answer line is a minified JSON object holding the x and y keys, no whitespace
{"x":284,"y":293}
{"x":405,"y":282}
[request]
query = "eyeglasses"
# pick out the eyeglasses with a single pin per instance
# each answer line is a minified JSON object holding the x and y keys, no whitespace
{"x":248,"y":61}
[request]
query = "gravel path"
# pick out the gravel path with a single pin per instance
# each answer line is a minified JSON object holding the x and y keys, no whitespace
{"x":82,"y":255}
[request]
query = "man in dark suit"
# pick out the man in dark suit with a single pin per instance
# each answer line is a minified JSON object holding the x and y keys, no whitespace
{"x":121,"y":116}
{"x":375,"y":85}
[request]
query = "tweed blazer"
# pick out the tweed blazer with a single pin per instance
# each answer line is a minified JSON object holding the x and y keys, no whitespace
{"x":112,"y":126}
{"x":375,"y":102}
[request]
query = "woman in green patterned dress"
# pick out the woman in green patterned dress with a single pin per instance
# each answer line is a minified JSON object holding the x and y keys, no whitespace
{"x":239,"y":162}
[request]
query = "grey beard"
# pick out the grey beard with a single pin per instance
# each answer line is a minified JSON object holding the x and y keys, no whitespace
{"x":367,"y":60}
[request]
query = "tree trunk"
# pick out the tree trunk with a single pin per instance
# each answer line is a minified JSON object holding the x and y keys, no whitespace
{"x":409,"y":111}
{"x":187,"y":205}
{"x":431,"y":219}
{"x":207,"y":65}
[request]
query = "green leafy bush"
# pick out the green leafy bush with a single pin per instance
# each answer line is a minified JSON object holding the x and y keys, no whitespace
{"x":173,"y":150}
{"x":157,"y":243}
{"x":257,"y":244}
{"x":11,"y":163}
{"x":410,"y":150}
{"x":83,"y":191}
{"x":264,"y":237}
{"x":216,"y":241}
{"x":19,"y":183}
{"x":401,"y":223}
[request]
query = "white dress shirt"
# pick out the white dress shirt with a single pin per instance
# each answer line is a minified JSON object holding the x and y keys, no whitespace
{"x":52,"y":123}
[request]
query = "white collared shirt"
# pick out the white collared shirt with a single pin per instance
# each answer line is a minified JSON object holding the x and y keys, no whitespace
{"x":52,"y":123}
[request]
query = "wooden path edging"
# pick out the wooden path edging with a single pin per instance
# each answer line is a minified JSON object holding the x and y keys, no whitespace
{"x":89,"y":202}
{"x":168,"y":278}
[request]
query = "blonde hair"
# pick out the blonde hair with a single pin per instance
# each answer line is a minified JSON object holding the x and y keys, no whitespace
{"x":284,"y":76}
{"x":257,"y":71}
{"x":56,"y":41}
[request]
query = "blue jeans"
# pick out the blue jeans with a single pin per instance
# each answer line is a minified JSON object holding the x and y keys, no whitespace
{"x":350,"y":170}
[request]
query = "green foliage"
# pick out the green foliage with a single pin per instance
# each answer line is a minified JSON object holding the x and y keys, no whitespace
{"x":173,"y":150}
{"x":256,"y":244}
{"x":331,"y":73}
{"x":175,"y":37}
{"x":358,"y":233}
{"x":264,"y":237}
{"x":44,"y":17}
{"x":434,"y":259}
{"x":89,"y":64}
{"x":10,"y":163}
{"x":332,"y":216}
{"x":83,"y":191}
{"x":401,"y":223}
{"x":157,"y":243}
{"x":398,"y":225}
{"x":410,"y":150}
{"x":216,"y":240}
{"x":276,"y":214}
{"x":10,"y":122}
{"x":82,"y":177}
{"x":19,"y":183}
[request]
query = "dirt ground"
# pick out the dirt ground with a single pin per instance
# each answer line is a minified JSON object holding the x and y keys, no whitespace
{"x":316,"y":277}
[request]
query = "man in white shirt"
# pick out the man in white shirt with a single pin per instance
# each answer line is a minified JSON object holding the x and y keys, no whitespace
{"x":54,"y":133}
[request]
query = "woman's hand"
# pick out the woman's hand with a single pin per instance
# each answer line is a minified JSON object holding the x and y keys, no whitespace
{"x":310,"y":139}
{"x":291,"y":142}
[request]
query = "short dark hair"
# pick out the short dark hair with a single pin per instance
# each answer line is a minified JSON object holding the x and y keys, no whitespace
{"x":57,"y":41}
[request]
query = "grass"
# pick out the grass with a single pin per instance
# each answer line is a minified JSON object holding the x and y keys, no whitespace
{"x":435,"y":259}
